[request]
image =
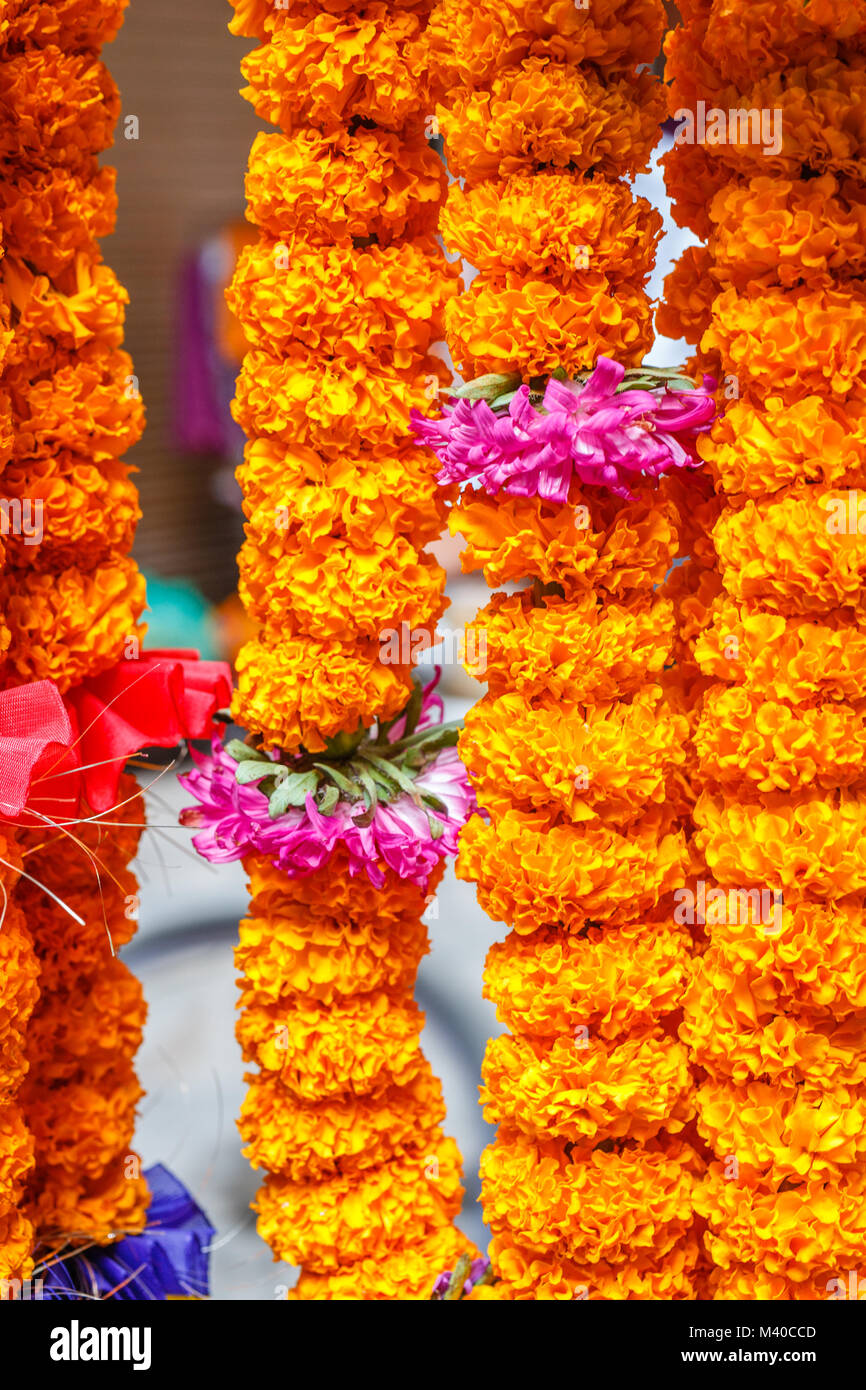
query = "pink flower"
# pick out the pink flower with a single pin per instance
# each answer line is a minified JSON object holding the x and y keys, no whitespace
{"x":399,"y":833}
{"x":594,"y":432}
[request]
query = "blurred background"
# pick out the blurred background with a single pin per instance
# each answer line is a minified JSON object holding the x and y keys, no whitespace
{"x":180,"y":226}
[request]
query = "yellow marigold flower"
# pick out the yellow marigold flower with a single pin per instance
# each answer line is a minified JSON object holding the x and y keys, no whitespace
{"x":605,"y":761}
{"x":71,"y":625}
{"x":589,"y":1205}
{"x":686,"y":308}
{"x":745,"y":740}
{"x":809,"y":844}
{"x":611,"y":980}
{"x":88,"y":1028}
{"x":758,"y":449}
{"x":405,"y":1273}
{"x":385,"y":302}
{"x":305,"y":399}
{"x":798,"y":1232}
{"x":86,"y":1126}
{"x":56,"y":108}
{"x":529,"y":1275}
{"x":88,"y":511}
{"x":356,"y":1045}
{"x":791,"y":342}
{"x":51,"y":215}
{"x":302,"y":691}
{"x":356,"y":1216}
{"x":785,"y":1130}
{"x":598,"y":541}
{"x":585,"y":1090}
{"x":328,"y":69}
{"x":529,"y":874}
{"x":752,"y":1283}
{"x":548,"y":223}
{"x":328,"y":185}
{"x":543,"y":112}
{"x":332,"y":589}
{"x":795,"y":554}
{"x":347,"y":1134}
{"x":86,"y":401}
{"x":370,"y":497}
{"x":19,"y":991}
{"x":784,"y":232}
{"x":68,"y":23}
{"x":574,"y":650}
{"x":535,"y":326}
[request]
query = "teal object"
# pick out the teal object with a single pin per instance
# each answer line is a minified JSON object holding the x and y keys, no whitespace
{"x":178,"y":615}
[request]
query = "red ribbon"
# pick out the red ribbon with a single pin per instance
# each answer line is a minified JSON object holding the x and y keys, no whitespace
{"x":59,"y":752}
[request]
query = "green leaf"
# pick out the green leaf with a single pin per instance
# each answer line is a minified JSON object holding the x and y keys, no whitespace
{"x":292,"y":791}
{"x":391,"y":770}
{"x":252,"y":770}
{"x":329,"y":801}
{"x":437,"y":829}
{"x":371,"y":796}
{"x":384,"y":783}
{"x":344,"y":783}
{"x":503,"y":402}
{"x":433,"y":802}
{"x":242,"y":752}
{"x":487,"y":387}
{"x":413,"y":709}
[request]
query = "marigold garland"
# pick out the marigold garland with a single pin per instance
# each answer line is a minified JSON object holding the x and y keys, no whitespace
{"x":774,"y":1011}
{"x":341,"y":300}
{"x":70,"y":599}
{"x":577,"y":751}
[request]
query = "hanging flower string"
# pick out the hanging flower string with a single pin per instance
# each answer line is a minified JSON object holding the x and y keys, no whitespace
{"x":609,"y":428}
{"x":398,"y":795}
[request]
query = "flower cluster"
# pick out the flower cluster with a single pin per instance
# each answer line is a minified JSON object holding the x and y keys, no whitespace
{"x":580,"y":470}
{"x":346,"y":795}
{"x":70,"y":603}
{"x":775,"y":299}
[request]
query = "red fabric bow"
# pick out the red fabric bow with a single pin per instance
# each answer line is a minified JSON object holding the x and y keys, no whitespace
{"x":56,"y":752}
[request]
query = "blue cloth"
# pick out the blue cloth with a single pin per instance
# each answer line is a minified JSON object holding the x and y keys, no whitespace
{"x":169,"y":1257}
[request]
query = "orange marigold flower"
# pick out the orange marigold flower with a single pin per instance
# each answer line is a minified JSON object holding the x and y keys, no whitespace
{"x":50,"y":215}
{"x":328,"y":69}
{"x":19,"y":991}
{"x":332,"y":589}
{"x":368,"y":496}
{"x":327,"y":185}
{"x":87,"y":1029}
{"x":606,"y":761}
{"x":758,"y":449}
{"x":529,"y":1275}
{"x":56,"y":108}
{"x":535,"y":326}
{"x":553,"y":224}
{"x":89,"y":511}
{"x":575,"y":650}
{"x":585,"y":1090}
{"x":304,"y":399}
{"x":408,"y":1272}
{"x":346,"y":1134}
{"x":810,"y":844}
{"x":791,"y":342}
{"x":16,"y":1157}
{"x":589,"y":1205}
{"x":72,"y":625}
{"x":302,"y":691}
{"x":610,"y":980}
{"x":545,"y":112}
{"x":770,"y":35}
{"x":67,"y":1203}
{"x":16,"y":1243}
{"x":356,"y":1216}
{"x":355,"y":1045}
{"x":529,"y":874}
{"x":795,"y":554}
{"x":85,"y":301}
{"x":86,"y":401}
{"x":68,"y":23}
{"x":693,"y":176}
{"x":348,"y":303}
{"x":598,"y":541}
{"x":689,"y":291}
{"x":86,"y":1125}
